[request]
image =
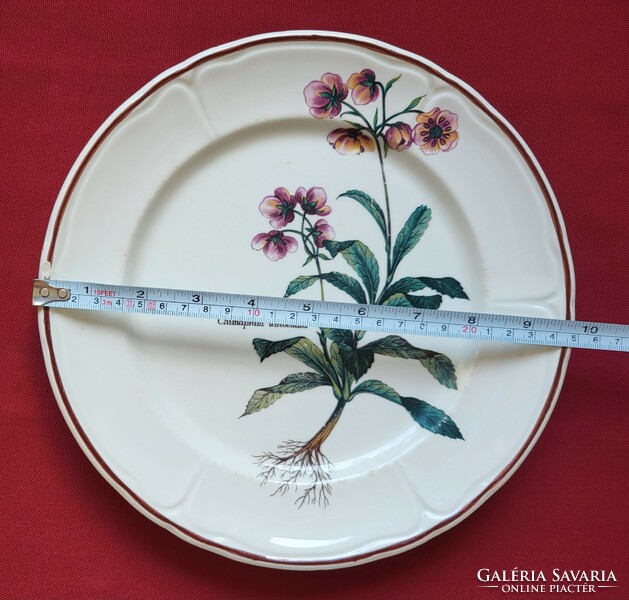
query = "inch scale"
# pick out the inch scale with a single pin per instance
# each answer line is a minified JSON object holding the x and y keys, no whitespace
{"x":337,"y":315}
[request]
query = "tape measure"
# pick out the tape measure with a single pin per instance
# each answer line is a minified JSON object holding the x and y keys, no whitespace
{"x":250,"y":309}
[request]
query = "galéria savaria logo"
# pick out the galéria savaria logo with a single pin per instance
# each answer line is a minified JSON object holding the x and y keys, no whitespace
{"x":532,"y":581}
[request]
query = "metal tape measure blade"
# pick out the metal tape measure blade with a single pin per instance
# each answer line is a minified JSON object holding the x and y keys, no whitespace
{"x":336,"y":315}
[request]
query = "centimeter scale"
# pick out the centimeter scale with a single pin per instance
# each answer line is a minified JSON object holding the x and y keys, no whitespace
{"x":338,"y":315}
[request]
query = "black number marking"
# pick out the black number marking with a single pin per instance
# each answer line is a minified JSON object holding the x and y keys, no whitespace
{"x":140,"y":294}
{"x":306,"y":307}
{"x":471,"y":320}
{"x":196,"y":298}
{"x":362,"y":311}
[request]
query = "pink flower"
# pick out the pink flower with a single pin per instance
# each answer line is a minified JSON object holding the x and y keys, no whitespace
{"x":322,"y":232}
{"x":363,"y":86}
{"x":280,"y":208}
{"x":399,"y":136}
{"x":313,"y":201}
{"x":351,"y":141}
{"x":275,"y":244}
{"x":436,"y":131}
{"x":324,"y":97}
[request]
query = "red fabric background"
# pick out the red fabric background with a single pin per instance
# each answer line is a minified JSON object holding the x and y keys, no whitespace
{"x":556,"y":70}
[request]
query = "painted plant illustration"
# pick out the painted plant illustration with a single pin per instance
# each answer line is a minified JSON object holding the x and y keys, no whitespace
{"x":299,"y":220}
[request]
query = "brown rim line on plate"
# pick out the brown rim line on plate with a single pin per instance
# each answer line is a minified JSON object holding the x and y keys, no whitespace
{"x":66,"y":198}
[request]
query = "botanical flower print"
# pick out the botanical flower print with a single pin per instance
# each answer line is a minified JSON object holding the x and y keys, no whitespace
{"x":351,"y":141}
{"x":279,"y":208}
{"x":340,"y":360}
{"x":399,"y":136}
{"x":275,"y":244}
{"x":364,"y":87}
{"x":314,"y":201}
{"x":436,"y":131}
{"x":325,"y":97}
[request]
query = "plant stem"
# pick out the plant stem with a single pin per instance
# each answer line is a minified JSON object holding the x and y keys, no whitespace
{"x":384,"y":99}
{"x":357,"y":113}
{"x":320,"y":276}
{"x":317,"y":440}
{"x":388,"y":211}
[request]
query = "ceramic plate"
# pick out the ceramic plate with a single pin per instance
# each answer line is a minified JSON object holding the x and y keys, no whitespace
{"x":316,"y":165}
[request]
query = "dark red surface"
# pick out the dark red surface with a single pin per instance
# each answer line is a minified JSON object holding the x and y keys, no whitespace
{"x":555,"y":70}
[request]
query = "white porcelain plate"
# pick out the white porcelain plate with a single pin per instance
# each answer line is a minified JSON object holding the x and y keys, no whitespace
{"x":306,"y":163}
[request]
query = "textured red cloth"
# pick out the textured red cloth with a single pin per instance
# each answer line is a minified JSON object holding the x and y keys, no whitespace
{"x":556,"y":70}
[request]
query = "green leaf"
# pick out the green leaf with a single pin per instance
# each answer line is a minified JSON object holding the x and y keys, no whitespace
{"x":262,"y":398}
{"x":414,"y":103}
{"x":403,"y":286}
{"x":291,"y":384}
{"x":335,"y":247}
{"x":266,"y":348}
{"x":347,"y":284}
{"x":337,"y":361}
{"x":410,"y":301}
{"x":305,"y":351}
{"x":445,"y":285}
{"x":375,"y":119}
{"x":397,"y":347}
{"x":353,"y":123}
{"x":433,"y":302}
{"x":362,"y":260}
{"x":376,"y":387}
{"x":339,"y":336}
{"x":410,"y":234}
{"x":390,"y":83}
{"x":364,"y":360}
{"x":300,"y":283}
{"x":425,"y":415}
{"x":437,"y":364}
{"x":397,"y":300}
{"x":441,"y":368}
{"x":356,"y":361}
{"x":372,"y":207}
{"x":431,"y":418}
